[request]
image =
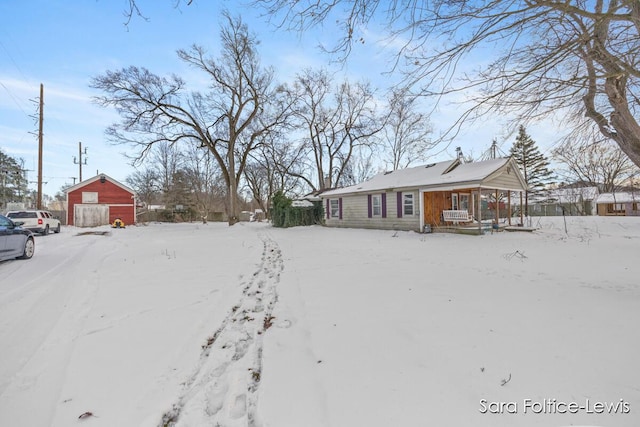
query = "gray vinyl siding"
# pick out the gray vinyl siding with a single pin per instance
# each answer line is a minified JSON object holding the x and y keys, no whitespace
{"x":502,"y":180}
{"x":355,"y":213}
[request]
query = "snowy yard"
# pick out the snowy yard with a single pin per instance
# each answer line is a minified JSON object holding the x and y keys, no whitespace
{"x":204,"y":325}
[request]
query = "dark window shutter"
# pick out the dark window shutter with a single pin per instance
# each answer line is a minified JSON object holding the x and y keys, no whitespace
{"x":340,"y":208}
{"x":399,"y":202}
{"x":384,"y":205}
{"x":369,"y":209}
{"x":328,"y":209}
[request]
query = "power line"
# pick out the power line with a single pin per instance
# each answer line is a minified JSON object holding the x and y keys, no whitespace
{"x":13,"y":61}
{"x":11,"y":58}
{"x":14,"y":99}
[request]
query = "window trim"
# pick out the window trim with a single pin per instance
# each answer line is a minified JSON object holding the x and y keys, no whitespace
{"x":334,"y":211}
{"x":410,"y":196}
{"x":89,"y":197}
{"x":378,"y":198}
{"x":455,"y":203}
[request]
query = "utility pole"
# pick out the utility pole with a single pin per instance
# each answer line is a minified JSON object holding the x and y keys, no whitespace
{"x":78,"y":161}
{"x":40,"y":121}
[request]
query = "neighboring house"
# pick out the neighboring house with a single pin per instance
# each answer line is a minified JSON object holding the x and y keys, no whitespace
{"x":434,"y":195}
{"x":564,"y":201}
{"x":619,"y":204}
{"x":99,"y":201}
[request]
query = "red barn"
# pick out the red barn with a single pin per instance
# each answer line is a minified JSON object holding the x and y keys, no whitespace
{"x":99,"y":201}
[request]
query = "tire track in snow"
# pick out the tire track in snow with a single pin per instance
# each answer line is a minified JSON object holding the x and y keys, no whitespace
{"x":54,"y":310}
{"x":223,"y":388}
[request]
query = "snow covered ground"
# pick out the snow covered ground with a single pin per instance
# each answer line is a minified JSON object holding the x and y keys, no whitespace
{"x":204,"y":325}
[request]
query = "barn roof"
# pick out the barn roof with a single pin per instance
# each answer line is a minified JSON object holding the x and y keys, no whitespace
{"x":442,"y":175}
{"x":97,"y":178}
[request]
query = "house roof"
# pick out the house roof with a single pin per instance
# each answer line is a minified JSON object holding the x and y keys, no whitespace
{"x":622,"y":197}
{"x":566,"y":195}
{"x":438,"y":176}
{"x":96,"y":178}
{"x":301,"y":203}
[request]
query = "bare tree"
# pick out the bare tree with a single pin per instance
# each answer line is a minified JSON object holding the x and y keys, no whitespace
{"x":146,"y":185}
{"x":166,"y":160}
{"x":361,"y":167}
{"x":336,"y":121}
{"x":599,"y":164}
{"x":260,"y":180}
{"x":230,"y":119}
{"x":132,"y":9}
{"x":406,"y":135}
{"x":578,"y":56}
{"x":290,"y":166}
{"x":204,"y":179}
{"x":263,"y":176}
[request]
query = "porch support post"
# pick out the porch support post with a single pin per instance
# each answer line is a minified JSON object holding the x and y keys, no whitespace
{"x":497,"y":209}
{"x":509,"y":207}
{"x":521,"y":213}
{"x":421,"y":193}
{"x":479,"y":210}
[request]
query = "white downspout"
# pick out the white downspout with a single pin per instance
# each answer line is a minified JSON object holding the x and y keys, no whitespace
{"x":421,"y":211}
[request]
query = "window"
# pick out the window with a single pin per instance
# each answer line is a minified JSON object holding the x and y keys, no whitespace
{"x":407,"y":203}
{"x":454,"y":201}
{"x":464,"y":202}
{"x":22,"y":214}
{"x":615,"y":208}
{"x":376,"y":203}
{"x":89,"y":197}
{"x":335,"y":208}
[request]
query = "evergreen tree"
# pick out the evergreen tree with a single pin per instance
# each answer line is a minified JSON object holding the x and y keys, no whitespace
{"x":13,"y":183}
{"x":534,"y":166}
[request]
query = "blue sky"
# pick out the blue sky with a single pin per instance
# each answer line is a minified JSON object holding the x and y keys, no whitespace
{"x":64,"y":43}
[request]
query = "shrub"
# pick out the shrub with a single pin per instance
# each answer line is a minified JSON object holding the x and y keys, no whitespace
{"x":284,"y":215}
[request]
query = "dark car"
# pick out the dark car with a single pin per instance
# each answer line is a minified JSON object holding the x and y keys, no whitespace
{"x":15,"y":241}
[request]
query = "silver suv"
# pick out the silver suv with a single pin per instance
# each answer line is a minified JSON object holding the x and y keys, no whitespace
{"x":38,"y":221}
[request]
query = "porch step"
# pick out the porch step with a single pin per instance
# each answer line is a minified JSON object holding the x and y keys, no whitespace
{"x":469,"y":230}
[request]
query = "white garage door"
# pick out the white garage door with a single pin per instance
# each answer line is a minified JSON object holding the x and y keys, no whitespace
{"x":90,"y":215}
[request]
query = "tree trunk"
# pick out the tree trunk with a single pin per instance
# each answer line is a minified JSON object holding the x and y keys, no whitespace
{"x":234,"y":213}
{"x":232,"y":191}
{"x":626,"y":130}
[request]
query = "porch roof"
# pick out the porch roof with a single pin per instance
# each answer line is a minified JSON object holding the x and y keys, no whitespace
{"x":441,"y":176}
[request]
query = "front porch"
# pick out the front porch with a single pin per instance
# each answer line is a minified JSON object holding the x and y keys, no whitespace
{"x":472,"y":211}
